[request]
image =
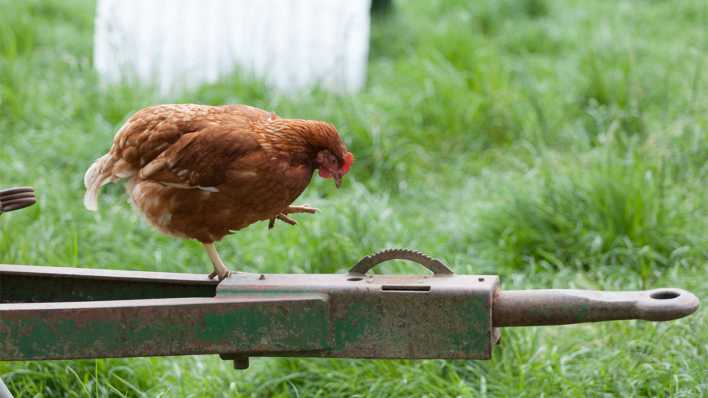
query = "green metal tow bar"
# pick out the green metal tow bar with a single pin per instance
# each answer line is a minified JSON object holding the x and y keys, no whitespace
{"x":64,"y":313}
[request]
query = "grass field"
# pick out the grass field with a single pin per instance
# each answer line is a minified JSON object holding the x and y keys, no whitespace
{"x":555,"y":143}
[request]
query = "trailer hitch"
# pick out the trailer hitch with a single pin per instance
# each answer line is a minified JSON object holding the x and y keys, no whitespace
{"x":66,"y":313}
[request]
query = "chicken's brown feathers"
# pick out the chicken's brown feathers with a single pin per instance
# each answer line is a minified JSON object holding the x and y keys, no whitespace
{"x":200,"y":158}
{"x":304,"y":136}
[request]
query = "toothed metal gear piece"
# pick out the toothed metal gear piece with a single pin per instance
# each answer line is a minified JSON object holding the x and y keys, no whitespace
{"x":369,"y":262}
{"x":16,"y":198}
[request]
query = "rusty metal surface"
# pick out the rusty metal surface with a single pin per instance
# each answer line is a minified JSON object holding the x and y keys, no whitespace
{"x":436,"y":266}
{"x":22,"y":283}
{"x":163,"y":327}
{"x":387,"y":316}
{"x":354,"y":315}
{"x":372,"y":317}
{"x":567,"y":306}
{"x":16,"y":198}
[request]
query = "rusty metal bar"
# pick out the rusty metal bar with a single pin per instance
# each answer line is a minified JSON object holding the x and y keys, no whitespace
{"x":566,"y":306}
{"x":361,"y":317}
{"x":62,"y":313}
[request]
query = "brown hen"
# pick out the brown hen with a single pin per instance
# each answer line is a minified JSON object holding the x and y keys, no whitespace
{"x":203,"y":172}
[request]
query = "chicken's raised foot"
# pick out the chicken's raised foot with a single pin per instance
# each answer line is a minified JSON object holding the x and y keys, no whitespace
{"x":291,"y":210}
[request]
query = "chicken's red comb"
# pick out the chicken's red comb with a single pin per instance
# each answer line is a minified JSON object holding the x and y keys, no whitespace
{"x":348,"y":160}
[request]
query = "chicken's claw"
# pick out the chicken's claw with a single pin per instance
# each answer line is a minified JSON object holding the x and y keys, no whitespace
{"x":286,"y":219}
{"x":222,"y":274}
{"x":291,"y":210}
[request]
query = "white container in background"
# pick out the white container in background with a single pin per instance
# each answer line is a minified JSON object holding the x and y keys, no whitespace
{"x":177,"y":44}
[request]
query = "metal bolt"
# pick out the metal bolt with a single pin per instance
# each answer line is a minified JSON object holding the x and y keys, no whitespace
{"x":241,"y":363}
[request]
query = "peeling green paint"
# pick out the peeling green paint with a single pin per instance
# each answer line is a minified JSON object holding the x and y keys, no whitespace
{"x":145,"y":330}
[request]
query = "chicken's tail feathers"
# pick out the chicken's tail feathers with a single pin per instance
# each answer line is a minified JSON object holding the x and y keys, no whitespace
{"x":96,"y":176}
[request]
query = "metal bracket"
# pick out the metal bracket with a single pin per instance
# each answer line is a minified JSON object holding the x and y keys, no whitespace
{"x":16,"y":198}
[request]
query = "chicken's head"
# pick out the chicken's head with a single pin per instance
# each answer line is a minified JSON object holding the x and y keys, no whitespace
{"x":324,"y":148}
{"x":333,"y":165}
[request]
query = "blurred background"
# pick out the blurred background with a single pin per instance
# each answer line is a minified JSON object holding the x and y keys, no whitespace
{"x":555,"y":143}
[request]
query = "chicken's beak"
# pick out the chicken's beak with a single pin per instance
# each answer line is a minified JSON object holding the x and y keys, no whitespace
{"x":337,"y":179}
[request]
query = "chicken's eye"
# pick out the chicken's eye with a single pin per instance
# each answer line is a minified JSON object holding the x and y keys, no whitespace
{"x":331,"y":160}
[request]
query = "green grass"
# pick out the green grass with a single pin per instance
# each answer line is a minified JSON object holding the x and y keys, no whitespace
{"x":555,"y":143}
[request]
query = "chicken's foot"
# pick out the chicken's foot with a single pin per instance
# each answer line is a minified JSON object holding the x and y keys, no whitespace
{"x":291,"y":210}
{"x":220,"y":268}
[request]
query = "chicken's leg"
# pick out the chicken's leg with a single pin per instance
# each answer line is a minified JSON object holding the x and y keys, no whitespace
{"x":219,"y":266}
